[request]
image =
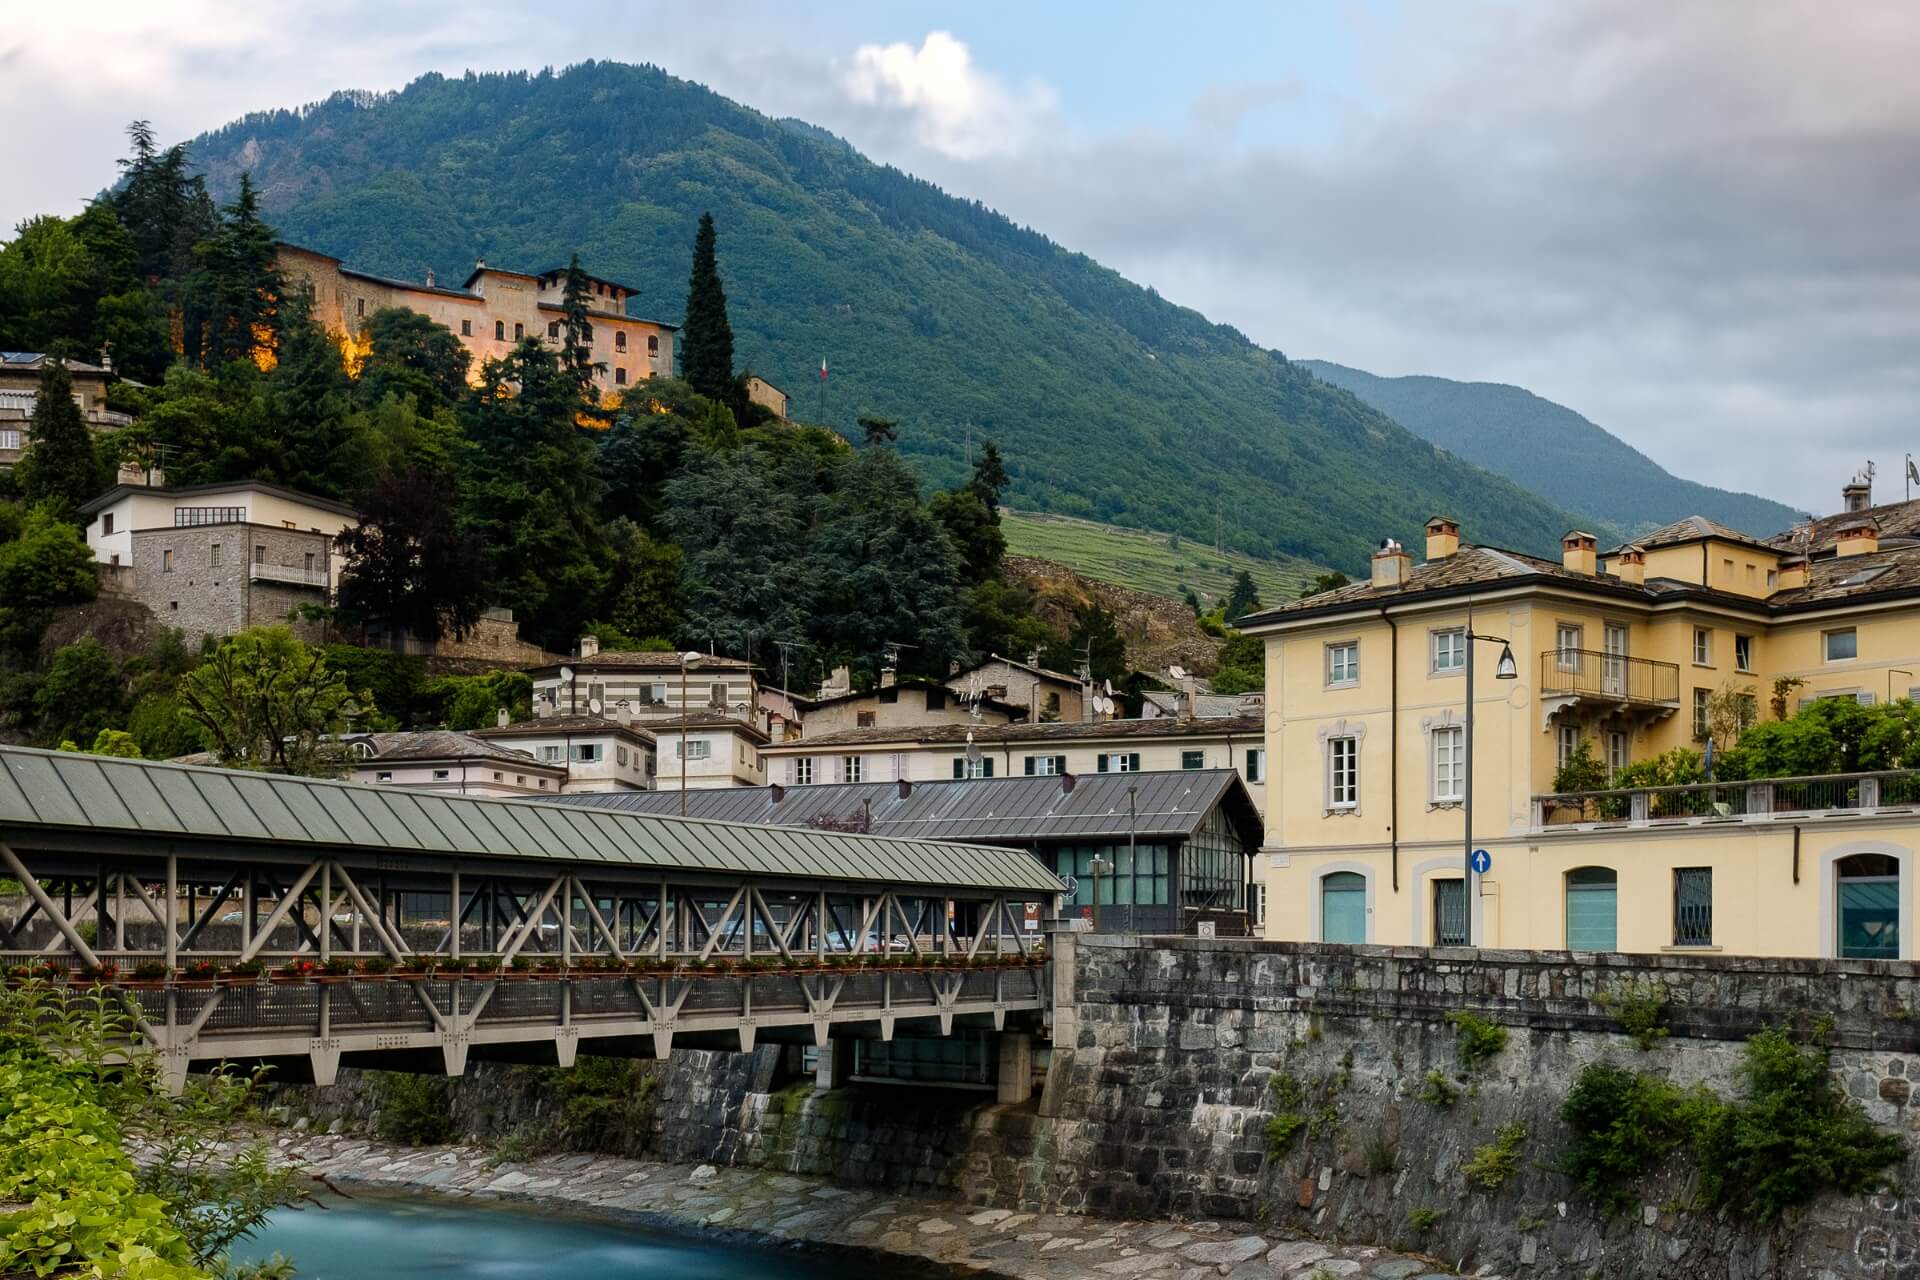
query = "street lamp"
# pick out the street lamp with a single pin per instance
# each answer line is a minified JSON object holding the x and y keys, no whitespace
{"x":1504,"y":669}
{"x":691,"y":658}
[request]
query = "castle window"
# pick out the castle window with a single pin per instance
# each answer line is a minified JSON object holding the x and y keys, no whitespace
{"x":620,"y":377}
{"x":519,"y":331}
{"x":466,"y":328}
{"x":620,"y":342}
{"x":653,"y":345}
{"x":499,"y":330}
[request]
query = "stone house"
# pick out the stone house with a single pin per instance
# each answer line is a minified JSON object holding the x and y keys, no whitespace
{"x":20,"y":388}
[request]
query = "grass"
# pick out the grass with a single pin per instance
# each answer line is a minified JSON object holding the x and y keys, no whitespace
{"x":1159,"y":563}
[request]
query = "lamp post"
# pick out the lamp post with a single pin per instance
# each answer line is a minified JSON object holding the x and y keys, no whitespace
{"x":1504,"y":669}
{"x":1094,"y":866}
{"x":688,"y":659}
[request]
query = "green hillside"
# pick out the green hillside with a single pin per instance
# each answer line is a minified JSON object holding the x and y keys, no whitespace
{"x":1161,"y":563}
{"x":1109,"y":402}
{"x":1554,"y":452}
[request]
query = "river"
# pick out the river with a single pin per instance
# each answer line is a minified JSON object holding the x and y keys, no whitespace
{"x":371,"y":1236}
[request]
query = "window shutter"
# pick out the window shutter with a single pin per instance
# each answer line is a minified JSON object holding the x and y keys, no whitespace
{"x":1864,"y":699}
{"x":986,"y":766}
{"x":1100,"y":762}
{"x":1030,"y":763}
{"x":960,"y":766}
{"x":1133,"y":762}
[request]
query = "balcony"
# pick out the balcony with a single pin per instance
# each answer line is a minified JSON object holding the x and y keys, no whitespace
{"x":1593,"y":680}
{"x":292,"y":575}
{"x":1836,"y":795}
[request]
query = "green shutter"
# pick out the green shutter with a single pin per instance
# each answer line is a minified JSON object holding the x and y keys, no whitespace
{"x":986,"y":767}
{"x":1100,"y":762}
{"x":1343,"y":907}
{"x":960,"y":767}
{"x":1030,"y":762}
{"x":1133,"y":762}
{"x":1869,"y":919}
{"x":1593,"y":902}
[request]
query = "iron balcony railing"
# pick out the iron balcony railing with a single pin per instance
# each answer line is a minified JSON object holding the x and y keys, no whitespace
{"x":1608,"y":677}
{"x":1758,"y":800}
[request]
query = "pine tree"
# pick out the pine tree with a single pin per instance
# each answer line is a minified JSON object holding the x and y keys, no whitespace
{"x":877,"y":431}
{"x":311,"y":401}
{"x":706,"y":337}
{"x":1244,"y":598}
{"x":990,"y":478}
{"x":60,"y":464}
{"x":237,"y":268}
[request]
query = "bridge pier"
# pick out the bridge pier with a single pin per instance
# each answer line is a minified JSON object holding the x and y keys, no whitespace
{"x":324,"y":1058}
{"x":834,"y":1066}
{"x":1016,"y":1067}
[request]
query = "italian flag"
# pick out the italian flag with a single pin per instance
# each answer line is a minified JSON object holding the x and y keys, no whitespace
{"x":823,"y":371}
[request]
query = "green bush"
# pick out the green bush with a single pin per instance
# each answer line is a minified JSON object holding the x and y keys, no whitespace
{"x":1425,"y":1220}
{"x":1640,"y":1006}
{"x":1438,"y":1091}
{"x":1289,"y":1116}
{"x":1495,"y":1162}
{"x":414,"y":1110}
{"x":1623,"y":1126}
{"x":1479,"y":1039}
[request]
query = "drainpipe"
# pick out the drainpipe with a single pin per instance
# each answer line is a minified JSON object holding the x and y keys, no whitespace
{"x":1393,"y":744}
{"x":1796,"y":853}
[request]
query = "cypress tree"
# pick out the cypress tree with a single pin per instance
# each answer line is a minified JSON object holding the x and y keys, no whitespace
{"x":706,"y":338}
{"x":60,"y":463}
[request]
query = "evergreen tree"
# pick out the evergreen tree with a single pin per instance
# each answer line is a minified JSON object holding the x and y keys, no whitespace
{"x":407,"y":562}
{"x":576,"y":331}
{"x":1331,"y":580}
{"x":60,"y":465}
{"x":971,"y":517}
{"x":749,"y":572}
{"x":310,"y":405}
{"x":239,"y":282}
{"x":1244,"y":598}
{"x":1097,"y":641}
{"x":636,"y":458}
{"x":643,"y":593}
{"x":412,"y":356}
{"x":706,"y":337}
{"x":877,"y":431}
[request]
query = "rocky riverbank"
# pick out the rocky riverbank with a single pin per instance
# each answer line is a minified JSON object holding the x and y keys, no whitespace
{"x":767,"y":1207}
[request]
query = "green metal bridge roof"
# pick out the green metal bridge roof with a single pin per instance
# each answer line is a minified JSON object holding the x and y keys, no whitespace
{"x":66,"y":792}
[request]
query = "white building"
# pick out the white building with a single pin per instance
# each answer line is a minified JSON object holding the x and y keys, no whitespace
{"x":645,"y":686}
{"x":720,"y":750}
{"x":598,"y":754}
{"x":125,"y":509}
{"x":450,"y":761}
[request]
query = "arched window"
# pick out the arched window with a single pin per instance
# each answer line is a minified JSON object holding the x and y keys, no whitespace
{"x":499,"y":330}
{"x":1868,"y":897}
{"x":619,"y":341}
{"x":1593,"y":909}
{"x":1343,"y":907}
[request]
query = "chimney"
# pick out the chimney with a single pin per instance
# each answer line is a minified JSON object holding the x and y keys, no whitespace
{"x":1629,"y":564}
{"x":1390,"y":565}
{"x":587,"y":647}
{"x":1857,"y":537}
{"x":1793,"y":573}
{"x":1579,"y":553}
{"x":1857,"y":494}
{"x":888,"y":677}
{"x":429,"y":277}
{"x":479,"y":264}
{"x":1443,"y":537}
{"x":501,"y":719}
{"x":543,"y":703}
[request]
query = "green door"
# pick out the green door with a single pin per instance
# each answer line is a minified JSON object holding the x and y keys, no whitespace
{"x":1593,"y":901}
{"x":1869,"y":918}
{"x":1343,"y":907}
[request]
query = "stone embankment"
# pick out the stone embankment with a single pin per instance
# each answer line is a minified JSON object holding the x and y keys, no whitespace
{"x":763,"y":1207}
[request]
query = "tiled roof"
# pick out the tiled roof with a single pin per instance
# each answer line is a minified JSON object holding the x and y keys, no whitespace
{"x":658,"y":725}
{"x":1208,"y":706}
{"x":648,"y":660}
{"x":1468,"y":566}
{"x":1056,"y":731}
{"x":547,"y":726}
{"x":34,"y":361}
{"x":438,"y":744}
{"x":1843,"y":577}
{"x":1692,"y":529}
{"x":314,"y":500}
{"x":1895,"y":520}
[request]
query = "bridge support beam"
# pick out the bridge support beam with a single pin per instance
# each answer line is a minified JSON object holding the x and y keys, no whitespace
{"x":453,"y":1051}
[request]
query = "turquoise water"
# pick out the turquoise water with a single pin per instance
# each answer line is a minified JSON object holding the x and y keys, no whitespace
{"x":384,"y":1237}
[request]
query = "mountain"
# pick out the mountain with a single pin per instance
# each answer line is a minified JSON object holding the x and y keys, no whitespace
{"x":1109,"y":402}
{"x":1554,"y":452}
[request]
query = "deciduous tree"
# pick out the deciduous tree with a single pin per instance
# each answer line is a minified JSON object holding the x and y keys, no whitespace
{"x":268,"y":701}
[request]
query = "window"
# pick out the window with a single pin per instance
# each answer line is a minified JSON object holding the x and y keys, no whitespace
{"x":853,"y":768}
{"x":1616,"y":753}
{"x":1592,"y":909}
{"x":657,"y":693}
{"x":1343,"y":907}
{"x":384,"y":775}
{"x":1773,"y":578}
{"x":106,"y":521}
{"x":1693,"y":906}
{"x":194,"y":517}
{"x":441,"y":775}
{"x":1193,"y":759}
{"x":620,"y":342}
{"x":586,"y":335}
{"x":519,"y":779}
{"x":519,"y":331}
{"x":309,"y":562}
{"x":1049,"y":766}
{"x":653,"y":345}
{"x":936,"y":699}
{"x":259,"y":554}
{"x":496,"y":775}
{"x":1449,"y":913}
{"x":1566,"y":744}
{"x":1449,"y":765}
{"x":550,"y":753}
{"x":1343,"y":662}
{"x":803,"y":770}
{"x":1256,"y":770}
{"x":1566,"y":646}
{"x":1726,"y":571}
{"x":1257,"y":904}
{"x":620,"y":756}
{"x":1053,"y":705}
{"x":1869,"y":907}
{"x":1449,"y":650}
{"x":10,"y":439}
{"x":864,"y":719}
{"x":543,"y":784}
{"x":166,"y":560}
{"x":1343,"y":773}
{"x":466,"y":328}
{"x":360,"y":306}
{"x":1118,"y":762}
{"x":620,"y":377}
{"x":587,"y":753}
{"x":213,"y":556}
{"x":697,"y":749}
{"x":981,"y":768}
{"x":1743,"y":653}
{"x":499,"y":330}
{"x":1842,"y":645}
{"x":553,"y":331}
{"x":717,"y":694}
{"x":1702,"y":721}
{"x":901,"y":770}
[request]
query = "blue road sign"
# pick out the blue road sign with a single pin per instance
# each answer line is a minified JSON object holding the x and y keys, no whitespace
{"x":1482,"y":861}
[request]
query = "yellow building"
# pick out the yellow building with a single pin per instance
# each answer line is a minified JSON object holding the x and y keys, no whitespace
{"x":1367,"y":743}
{"x":490,"y":313}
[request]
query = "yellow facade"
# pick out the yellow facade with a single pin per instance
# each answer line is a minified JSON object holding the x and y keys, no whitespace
{"x":1365,"y":717}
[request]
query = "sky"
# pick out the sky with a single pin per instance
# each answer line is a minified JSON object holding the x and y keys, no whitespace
{"x":1697,"y":224}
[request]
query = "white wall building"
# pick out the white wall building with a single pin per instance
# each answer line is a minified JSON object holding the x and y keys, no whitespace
{"x":598,"y":754}
{"x":720,"y":751}
{"x":450,"y":761}
{"x":123,"y":509}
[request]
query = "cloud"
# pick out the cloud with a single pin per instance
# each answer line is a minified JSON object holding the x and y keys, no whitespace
{"x":957,"y":109}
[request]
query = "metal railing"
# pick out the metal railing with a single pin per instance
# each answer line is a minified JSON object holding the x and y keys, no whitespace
{"x":298,"y":575}
{"x":1609,"y":677}
{"x":1758,"y":799}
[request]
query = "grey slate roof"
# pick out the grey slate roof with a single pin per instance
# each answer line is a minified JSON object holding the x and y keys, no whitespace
{"x":120,"y":802}
{"x":1034,"y":735}
{"x":1022,"y":810}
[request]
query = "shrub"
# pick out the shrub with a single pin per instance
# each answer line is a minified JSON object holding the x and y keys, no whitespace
{"x":1494,"y":1163}
{"x":1289,"y":1117}
{"x":1640,"y":1006}
{"x":1438,"y":1091}
{"x":1479,"y":1039}
{"x":1425,"y":1220}
{"x":414,"y":1110}
{"x":1623,"y":1126}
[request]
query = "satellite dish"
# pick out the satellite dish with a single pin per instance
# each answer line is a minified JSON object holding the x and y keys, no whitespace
{"x":973,"y":749}
{"x":566,"y":673}
{"x":1177,"y":672}
{"x":594,"y":705}
{"x":1107,"y":687}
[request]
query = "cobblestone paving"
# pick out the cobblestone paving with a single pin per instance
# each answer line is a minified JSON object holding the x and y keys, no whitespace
{"x":781,"y":1207}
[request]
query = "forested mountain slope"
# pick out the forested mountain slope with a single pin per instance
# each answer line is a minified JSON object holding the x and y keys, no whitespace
{"x":1554,"y":452}
{"x":1108,"y":401}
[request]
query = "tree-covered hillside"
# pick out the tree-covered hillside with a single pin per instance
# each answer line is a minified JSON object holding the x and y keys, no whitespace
{"x":1108,"y":401}
{"x":1554,"y":452}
